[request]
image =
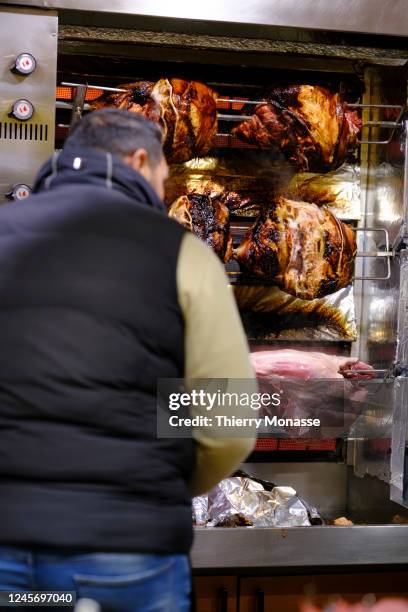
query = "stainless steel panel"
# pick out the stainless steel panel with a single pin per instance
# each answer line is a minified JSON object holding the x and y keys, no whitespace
{"x":398,"y":480}
{"x":399,"y":471}
{"x":370,"y":16}
{"x":368,"y":501}
{"x":405,"y":192}
{"x":402,"y":319}
{"x":24,"y":146}
{"x":251,"y":548}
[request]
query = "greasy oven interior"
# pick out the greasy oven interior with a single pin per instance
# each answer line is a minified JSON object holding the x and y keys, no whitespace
{"x":361,"y":475}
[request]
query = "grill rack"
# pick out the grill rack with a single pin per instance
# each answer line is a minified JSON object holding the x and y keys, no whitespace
{"x":78,"y":106}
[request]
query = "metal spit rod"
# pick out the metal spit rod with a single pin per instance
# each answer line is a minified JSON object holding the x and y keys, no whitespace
{"x":236,"y":101}
{"x":387,"y":253}
{"x":354,"y":105}
{"x":374,"y":105}
{"x":65,"y":84}
{"x":69,"y":105}
{"x":374,"y":370}
{"x":391,"y":125}
{"x":224,"y":117}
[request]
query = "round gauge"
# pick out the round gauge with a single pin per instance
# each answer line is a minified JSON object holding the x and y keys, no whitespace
{"x":25,"y":64}
{"x":23,"y":110}
{"x":20,"y":191}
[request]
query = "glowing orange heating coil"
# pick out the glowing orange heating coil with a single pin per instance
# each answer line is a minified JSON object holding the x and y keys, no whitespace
{"x":66,"y":93}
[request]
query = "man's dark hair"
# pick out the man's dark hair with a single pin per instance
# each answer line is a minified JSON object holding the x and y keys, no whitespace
{"x":118,"y":132}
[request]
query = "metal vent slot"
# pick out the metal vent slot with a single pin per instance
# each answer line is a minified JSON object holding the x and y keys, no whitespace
{"x":13,"y":130}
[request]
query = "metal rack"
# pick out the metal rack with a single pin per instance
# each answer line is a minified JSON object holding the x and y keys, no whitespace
{"x":387,"y":254}
{"x":389,"y":125}
{"x":78,"y":106}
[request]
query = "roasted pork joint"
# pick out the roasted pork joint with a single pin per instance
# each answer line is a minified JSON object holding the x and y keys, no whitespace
{"x":310,"y":125}
{"x":186,"y":111}
{"x":303,"y":249}
{"x":207,"y":218}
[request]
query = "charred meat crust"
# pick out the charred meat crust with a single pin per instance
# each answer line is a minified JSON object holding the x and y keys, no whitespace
{"x":208,"y":219}
{"x":185,"y":110}
{"x":303,"y":249}
{"x":309,"y":124}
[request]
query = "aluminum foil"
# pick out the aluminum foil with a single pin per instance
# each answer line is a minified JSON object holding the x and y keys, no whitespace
{"x":248,"y":173}
{"x":269,"y":313}
{"x":248,"y":501}
{"x":255,"y":175}
{"x":200,"y":510}
{"x":338,"y":190}
{"x":385,"y":187}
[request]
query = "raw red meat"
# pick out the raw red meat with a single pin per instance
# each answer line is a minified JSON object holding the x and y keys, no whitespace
{"x":313,"y":385}
{"x":290,"y":363}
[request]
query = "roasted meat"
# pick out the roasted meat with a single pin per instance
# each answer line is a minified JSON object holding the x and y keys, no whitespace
{"x":303,"y":249}
{"x":138,"y":98}
{"x":291,"y":363}
{"x":186,"y":111}
{"x":310,"y":125}
{"x":207,"y":218}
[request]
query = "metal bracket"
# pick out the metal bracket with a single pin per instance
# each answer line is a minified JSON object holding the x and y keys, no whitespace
{"x":390,"y":125}
{"x":65,"y":84}
{"x":78,"y":104}
{"x":388,"y":254}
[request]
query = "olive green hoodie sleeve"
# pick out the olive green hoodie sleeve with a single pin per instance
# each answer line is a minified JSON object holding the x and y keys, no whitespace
{"x":215,"y":347}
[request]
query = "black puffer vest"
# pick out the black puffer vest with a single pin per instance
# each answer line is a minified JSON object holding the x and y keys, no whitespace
{"x":89,"y":320}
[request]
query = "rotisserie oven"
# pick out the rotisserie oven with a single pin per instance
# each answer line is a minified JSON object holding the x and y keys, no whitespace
{"x":288,"y":154}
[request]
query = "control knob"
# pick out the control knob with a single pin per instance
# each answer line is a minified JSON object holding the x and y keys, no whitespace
{"x":24,"y":64}
{"x":22,"y":110}
{"x":19,"y":191}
